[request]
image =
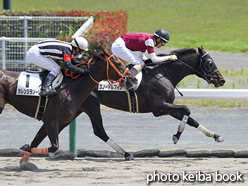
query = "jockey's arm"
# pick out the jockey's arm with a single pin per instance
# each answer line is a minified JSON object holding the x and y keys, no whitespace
{"x":156,"y":59}
{"x":74,"y":62}
{"x":70,"y":66}
{"x":151,"y":54}
{"x":142,"y":56}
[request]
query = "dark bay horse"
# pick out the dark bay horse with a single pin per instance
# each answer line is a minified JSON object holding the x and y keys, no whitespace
{"x":155,"y":94}
{"x":63,"y":107}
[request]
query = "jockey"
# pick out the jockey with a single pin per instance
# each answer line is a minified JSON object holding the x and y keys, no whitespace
{"x":42,"y":52}
{"x":124,"y":46}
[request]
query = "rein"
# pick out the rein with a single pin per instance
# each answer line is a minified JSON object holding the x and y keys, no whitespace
{"x":109,"y":62}
{"x":207,"y":77}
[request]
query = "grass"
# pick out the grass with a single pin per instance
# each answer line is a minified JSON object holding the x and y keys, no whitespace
{"x":212,"y":104}
{"x":218,"y":25}
{"x":234,"y":80}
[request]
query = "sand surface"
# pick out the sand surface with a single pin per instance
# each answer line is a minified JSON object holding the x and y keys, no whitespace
{"x":116,"y":171}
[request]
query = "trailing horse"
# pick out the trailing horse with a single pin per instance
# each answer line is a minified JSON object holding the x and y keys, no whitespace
{"x":155,"y":94}
{"x":63,"y":107}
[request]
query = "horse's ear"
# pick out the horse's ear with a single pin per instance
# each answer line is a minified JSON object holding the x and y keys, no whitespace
{"x":200,"y":50}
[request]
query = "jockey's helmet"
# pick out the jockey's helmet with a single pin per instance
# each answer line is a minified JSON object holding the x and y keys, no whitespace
{"x":163,"y":34}
{"x":81,"y":43}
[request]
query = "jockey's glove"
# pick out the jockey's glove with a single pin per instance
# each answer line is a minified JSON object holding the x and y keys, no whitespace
{"x":86,"y":71}
{"x":173,"y":57}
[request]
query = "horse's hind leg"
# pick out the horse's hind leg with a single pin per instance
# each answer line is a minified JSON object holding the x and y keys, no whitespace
{"x":91,"y":107}
{"x":99,"y":131}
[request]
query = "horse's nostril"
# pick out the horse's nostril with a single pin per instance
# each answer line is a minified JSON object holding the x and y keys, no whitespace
{"x":222,"y":81}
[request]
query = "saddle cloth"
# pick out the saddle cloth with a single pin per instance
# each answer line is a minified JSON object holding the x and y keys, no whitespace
{"x":103,"y":85}
{"x":29,"y":83}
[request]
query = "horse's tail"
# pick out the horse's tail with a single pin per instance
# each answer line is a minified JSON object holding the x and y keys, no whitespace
{"x":2,"y":91}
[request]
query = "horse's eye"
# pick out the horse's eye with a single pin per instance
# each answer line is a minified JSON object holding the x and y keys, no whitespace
{"x":210,"y":65}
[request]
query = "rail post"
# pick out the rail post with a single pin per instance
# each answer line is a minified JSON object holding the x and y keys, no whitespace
{"x":3,"y":53}
{"x":73,"y":137}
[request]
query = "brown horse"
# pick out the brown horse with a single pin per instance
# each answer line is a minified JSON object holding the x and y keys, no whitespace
{"x":155,"y":94}
{"x":63,"y":107}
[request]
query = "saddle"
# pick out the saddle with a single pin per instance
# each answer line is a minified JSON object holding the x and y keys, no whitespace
{"x":29,"y":83}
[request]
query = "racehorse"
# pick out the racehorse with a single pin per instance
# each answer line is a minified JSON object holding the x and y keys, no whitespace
{"x":155,"y":94}
{"x":63,"y":107}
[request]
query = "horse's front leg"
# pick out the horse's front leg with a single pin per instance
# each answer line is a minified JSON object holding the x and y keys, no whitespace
{"x":52,"y":132}
{"x":163,"y":108}
{"x":39,"y":137}
{"x":195,"y":124}
{"x":52,"y":129}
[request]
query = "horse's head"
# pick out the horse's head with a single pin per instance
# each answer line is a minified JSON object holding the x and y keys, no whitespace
{"x":208,"y":70}
{"x":110,"y":67}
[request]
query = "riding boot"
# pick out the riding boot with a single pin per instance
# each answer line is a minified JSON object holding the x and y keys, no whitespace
{"x":46,"y":89}
{"x":131,"y":82}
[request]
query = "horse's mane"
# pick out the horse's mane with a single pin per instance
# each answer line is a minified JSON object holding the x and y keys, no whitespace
{"x":180,"y":52}
{"x":184,"y":51}
{"x":98,"y":55}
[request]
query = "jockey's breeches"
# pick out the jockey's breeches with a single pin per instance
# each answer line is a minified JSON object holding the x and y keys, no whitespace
{"x":120,"y":50}
{"x":35,"y":57}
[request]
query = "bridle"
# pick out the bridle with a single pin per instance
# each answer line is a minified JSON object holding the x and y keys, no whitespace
{"x":208,"y":76}
{"x":109,"y":62}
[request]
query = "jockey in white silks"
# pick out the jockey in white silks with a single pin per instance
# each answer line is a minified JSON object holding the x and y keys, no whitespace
{"x":124,"y":46}
{"x":42,"y":53}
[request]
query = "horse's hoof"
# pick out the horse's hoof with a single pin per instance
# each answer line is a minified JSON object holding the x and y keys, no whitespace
{"x":219,"y":139}
{"x":22,"y":162}
{"x":24,"y":147}
{"x":175,"y":139}
{"x":128,"y":156}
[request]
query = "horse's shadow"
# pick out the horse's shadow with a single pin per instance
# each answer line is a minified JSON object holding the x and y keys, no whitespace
{"x":26,"y":167}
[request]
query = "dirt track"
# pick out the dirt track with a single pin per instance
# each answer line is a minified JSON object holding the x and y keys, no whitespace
{"x":131,"y":132}
{"x":115,"y":171}
{"x":136,"y":131}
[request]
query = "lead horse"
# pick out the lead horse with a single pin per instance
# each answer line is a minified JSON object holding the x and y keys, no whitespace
{"x":63,"y":107}
{"x":155,"y":94}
